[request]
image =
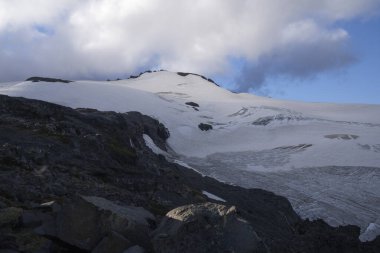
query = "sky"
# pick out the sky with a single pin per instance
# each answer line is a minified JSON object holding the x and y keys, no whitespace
{"x":319,"y":51}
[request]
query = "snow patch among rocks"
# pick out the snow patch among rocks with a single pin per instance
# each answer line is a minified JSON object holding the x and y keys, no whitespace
{"x":150,"y":144}
{"x":212,"y":196}
{"x":370,"y":233}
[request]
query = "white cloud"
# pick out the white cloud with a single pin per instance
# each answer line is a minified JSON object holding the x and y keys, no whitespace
{"x":99,"y":38}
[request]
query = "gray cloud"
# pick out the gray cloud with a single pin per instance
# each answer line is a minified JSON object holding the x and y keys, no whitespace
{"x":305,"y":50}
{"x":109,"y":38}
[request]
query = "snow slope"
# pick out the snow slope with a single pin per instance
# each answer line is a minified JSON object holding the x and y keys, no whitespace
{"x":325,"y":158}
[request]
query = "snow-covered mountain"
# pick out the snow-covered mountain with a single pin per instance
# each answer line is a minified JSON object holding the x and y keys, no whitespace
{"x":325,"y":158}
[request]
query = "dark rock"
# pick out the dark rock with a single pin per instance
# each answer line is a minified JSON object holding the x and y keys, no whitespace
{"x":24,"y":240}
{"x":32,"y":218}
{"x":192,"y":104}
{"x":206,"y":227}
{"x":141,"y":73}
{"x":79,"y":224}
{"x":134,"y":249}
{"x":204,"y":126}
{"x":41,"y":218}
{"x":10,"y":216}
{"x":318,"y":236}
{"x":47,"y":79}
{"x":83,"y":221}
{"x":48,"y":225}
{"x":3,"y":205}
{"x":132,"y":222}
{"x":203,"y":77}
{"x":8,"y":243}
{"x":112,"y":243}
{"x":183,"y":73}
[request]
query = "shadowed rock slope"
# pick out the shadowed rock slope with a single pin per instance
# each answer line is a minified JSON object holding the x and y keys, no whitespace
{"x":85,"y":181}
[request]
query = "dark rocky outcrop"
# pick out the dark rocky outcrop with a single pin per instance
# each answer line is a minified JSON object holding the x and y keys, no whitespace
{"x":203,"y":77}
{"x":47,"y":79}
{"x":141,"y":73}
{"x":204,"y":126}
{"x":192,"y":104}
{"x":60,"y":156}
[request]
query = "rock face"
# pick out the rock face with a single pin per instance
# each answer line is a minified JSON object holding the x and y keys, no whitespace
{"x":102,"y":187}
{"x":207,"y":227}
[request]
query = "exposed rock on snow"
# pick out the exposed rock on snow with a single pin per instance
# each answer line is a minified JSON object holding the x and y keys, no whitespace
{"x":204,"y":126}
{"x":47,"y":79}
{"x":192,"y":104}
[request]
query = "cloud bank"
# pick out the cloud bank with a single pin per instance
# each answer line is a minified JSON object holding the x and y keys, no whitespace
{"x":110,"y":38}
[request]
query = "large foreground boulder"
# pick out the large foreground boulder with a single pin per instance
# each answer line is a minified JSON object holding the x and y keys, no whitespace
{"x":206,"y":227}
{"x":84,"y":221}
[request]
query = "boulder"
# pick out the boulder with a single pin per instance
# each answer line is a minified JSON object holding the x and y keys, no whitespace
{"x":206,"y":227}
{"x":112,"y":243}
{"x":134,"y":249}
{"x":84,"y":221}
